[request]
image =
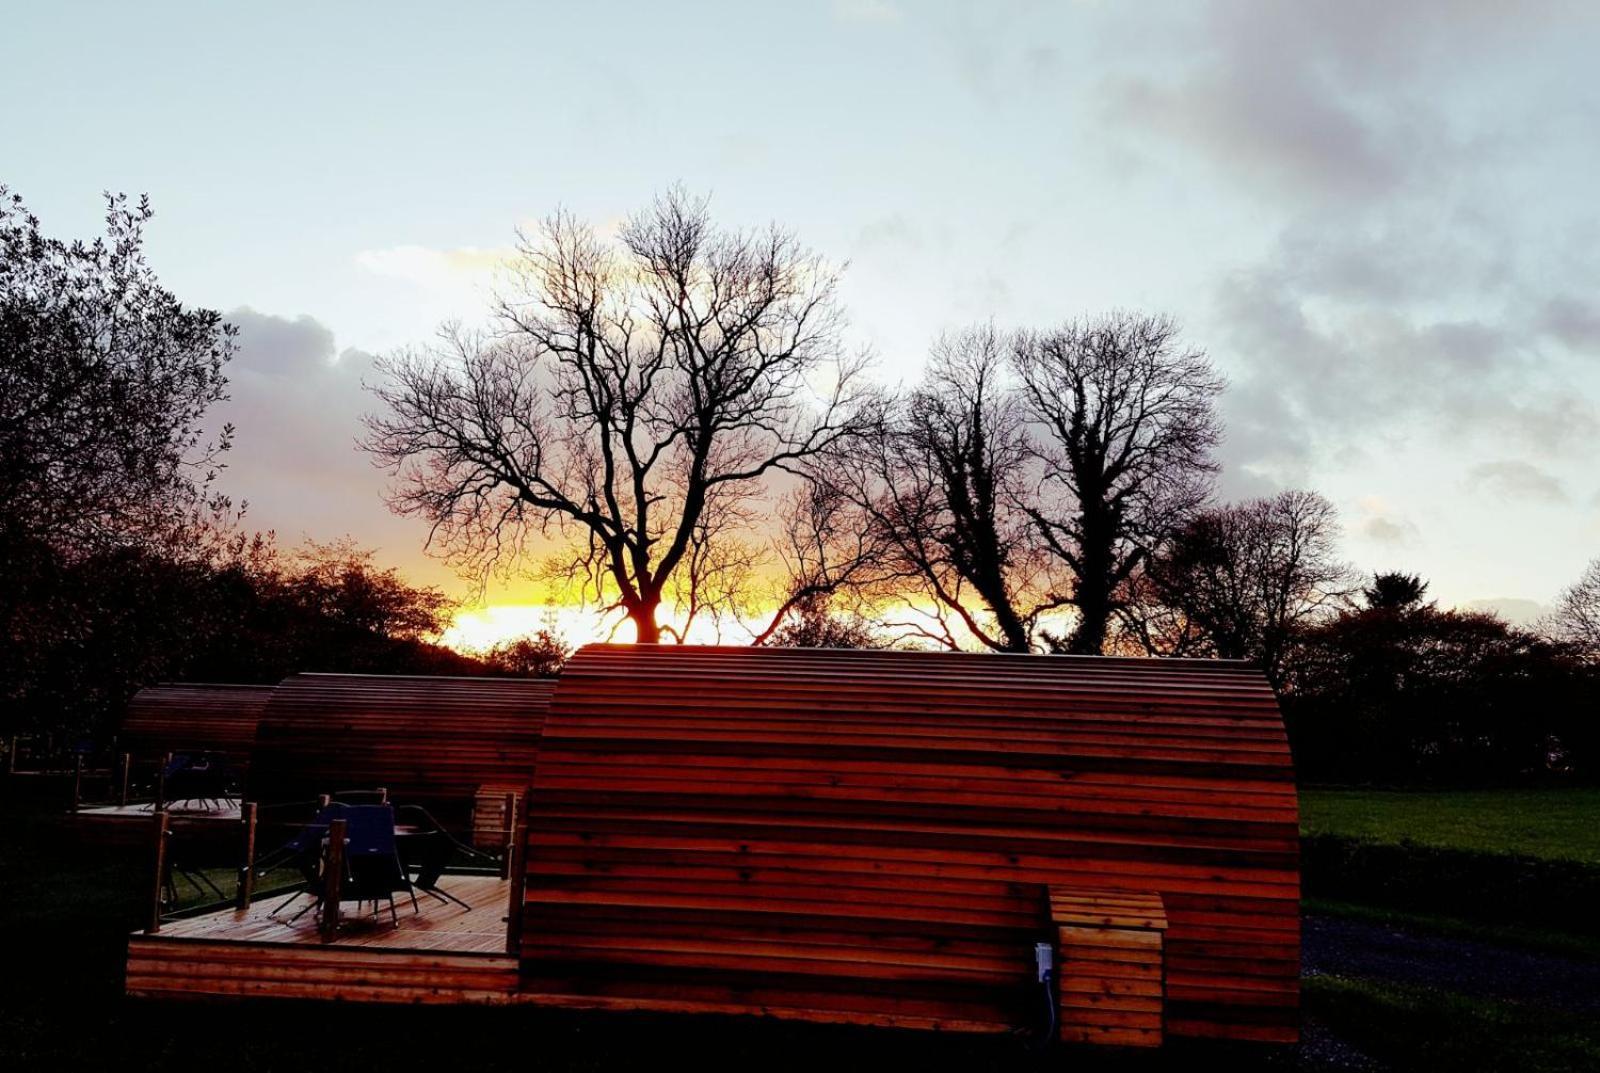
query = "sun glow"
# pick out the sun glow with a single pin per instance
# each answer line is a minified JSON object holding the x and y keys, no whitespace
{"x":481,"y":628}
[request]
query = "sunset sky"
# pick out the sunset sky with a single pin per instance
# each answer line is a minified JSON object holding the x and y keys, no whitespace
{"x":1380,"y":219}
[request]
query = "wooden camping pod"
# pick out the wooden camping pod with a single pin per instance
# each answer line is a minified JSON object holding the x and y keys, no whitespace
{"x":434,"y":741}
{"x":871,"y":837}
{"x":193,"y":717}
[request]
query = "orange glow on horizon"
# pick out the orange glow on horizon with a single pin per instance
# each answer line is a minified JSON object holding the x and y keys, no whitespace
{"x":478,"y":629}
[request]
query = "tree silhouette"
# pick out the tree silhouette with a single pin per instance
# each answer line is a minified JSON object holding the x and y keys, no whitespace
{"x":1394,"y":591}
{"x":941,"y":484}
{"x":104,"y":380}
{"x":1576,"y":619}
{"x":1241,"y":581}
{"x":634,"y":401}
{"x":1126,"y":425}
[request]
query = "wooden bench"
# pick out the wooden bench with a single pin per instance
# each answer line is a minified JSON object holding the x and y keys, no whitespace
{"x":1110,"y":966}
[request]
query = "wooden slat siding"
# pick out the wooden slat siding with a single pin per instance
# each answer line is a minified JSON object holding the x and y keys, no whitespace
{"x":866,"y":836}
{"x":433,"y":741}
{"x":442,"y":954}
{"x":489,"y":817}
{"x":200,"y":968}
{"x":1110,"y":970}
{"x":179,"y":717}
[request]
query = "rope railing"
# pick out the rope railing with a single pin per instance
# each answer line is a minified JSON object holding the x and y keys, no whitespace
{"x":183,"y":880}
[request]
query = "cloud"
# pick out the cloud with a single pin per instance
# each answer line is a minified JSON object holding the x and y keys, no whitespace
{"x":1514,"y":609}
{"x":1514,"y":480}
{"x":454,"y":283}
{"x":1381,"y":524}
{"x":1390,"y":532}
{"x":1408,"y":228}
{"x":297,"y":401}
{"x":1327,"y":102}
{"x":1573,"y":321}
{"x":279,"y":347}
{"x":870,"y":11}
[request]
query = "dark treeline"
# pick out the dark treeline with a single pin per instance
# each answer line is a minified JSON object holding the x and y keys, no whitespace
{"x":671,"y":418}
{"x":84,"y":633}
{"x":119,"y":564}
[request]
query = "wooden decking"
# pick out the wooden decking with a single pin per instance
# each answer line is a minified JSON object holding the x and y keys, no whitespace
{"x":440,"y":954}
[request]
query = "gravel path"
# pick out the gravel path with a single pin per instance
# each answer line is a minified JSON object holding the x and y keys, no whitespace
{"x":1342,"y":947}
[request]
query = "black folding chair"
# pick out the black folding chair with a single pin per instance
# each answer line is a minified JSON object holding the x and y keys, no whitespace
{"x":435,"y":846}
{"x":362,"y":797}
{"x":372,"y":859}
{"x":304,"y":851}
{"x":203,"y":777}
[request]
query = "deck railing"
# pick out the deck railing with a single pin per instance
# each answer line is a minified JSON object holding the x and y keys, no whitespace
{"x":184,"y":860}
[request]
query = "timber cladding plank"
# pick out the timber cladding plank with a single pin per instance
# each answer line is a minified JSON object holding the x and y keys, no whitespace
{"x":180,"y":717}
{"x":1111,"y":966}
{"x":160,"y":968}
{"x":429,"y":740}
{"x":869,"y":836}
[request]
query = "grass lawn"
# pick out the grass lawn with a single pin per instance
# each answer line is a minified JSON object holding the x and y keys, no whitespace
{"x":1415,"y":1028}
{"x":66,"y":910}
{"x":1558,"y":824}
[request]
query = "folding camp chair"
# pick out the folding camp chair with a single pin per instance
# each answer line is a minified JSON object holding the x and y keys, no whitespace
{"x":372,"y":859}
{"x":203,"y":777}
{"x":304,"y":851}
{"x":428,"y":850}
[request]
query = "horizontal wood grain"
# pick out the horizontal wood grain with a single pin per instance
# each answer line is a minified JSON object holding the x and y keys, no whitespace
{"x":194,"y":717}
{"x":439,"y":742}
{"x":869,"y":837}
{"x":441,"y":954}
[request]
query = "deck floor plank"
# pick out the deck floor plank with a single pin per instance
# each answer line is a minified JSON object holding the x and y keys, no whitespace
{"x":435,"y":925}
{"x":439,"y":953}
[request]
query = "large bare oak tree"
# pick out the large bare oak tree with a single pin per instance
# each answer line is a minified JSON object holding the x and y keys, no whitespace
{"x":1125,"y":424}
{"x":941,"y":485}
{"x":632,"y":404}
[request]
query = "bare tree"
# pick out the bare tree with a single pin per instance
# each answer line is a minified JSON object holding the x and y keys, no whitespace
{"x":1125,"y":428}
{"x":814,"y":623}
{"x":940,"y":486}
{"x":828,"y":555}
{"x":639,"y":392}
{"x":715,"y":581}
{"x":1576,"y":619}
{"x":1239,"y":581}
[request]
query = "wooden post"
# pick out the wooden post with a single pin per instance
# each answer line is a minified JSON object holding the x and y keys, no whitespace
{"x":332,"y":880}
{"x":159,"y":876}
{"x":509,"y":810}
{"x":124,"y":773}
{"x":517,"y":874}
{"x":161,"y":782}
{"x":247,"y":874}
{"x":77,"y":782}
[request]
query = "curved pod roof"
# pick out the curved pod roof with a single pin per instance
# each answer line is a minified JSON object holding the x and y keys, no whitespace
{"x":426,"y":739}
{"x":175,"y":717}
{"x":867,"y":836}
